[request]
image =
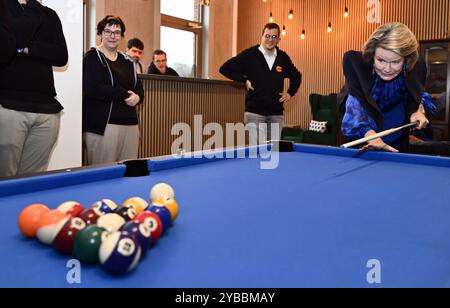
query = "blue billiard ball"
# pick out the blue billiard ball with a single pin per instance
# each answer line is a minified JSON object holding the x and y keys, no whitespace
{"x":163,"y":214}
{"x":119,"y":253}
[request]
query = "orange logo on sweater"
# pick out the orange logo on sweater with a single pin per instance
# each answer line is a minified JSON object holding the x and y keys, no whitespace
{"x":279,"y":69}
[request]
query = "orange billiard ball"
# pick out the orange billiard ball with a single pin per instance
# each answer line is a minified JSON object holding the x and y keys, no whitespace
{"x":29,"y":219}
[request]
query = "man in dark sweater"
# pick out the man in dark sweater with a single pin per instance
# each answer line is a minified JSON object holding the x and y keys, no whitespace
{"x":263,"y":68}
{"x":29,"y":111}
{"x":6,"y":37}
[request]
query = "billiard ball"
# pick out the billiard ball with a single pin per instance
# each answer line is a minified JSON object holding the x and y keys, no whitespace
{"x":71,"y":208}
{"x":87,"y":244}
{"x":105,"y":206}
{"x":90,"y":216}
{"x":111,"y":222}
{"x":65,"y":234}
{"x":137,"y":203}
{"x":127,"y":212}
{"x":161,"y":189}
{"x":47,"y":226}
{"x":140,"y":232}
{"x":170,"y":204}
{"x":29,"y":219}
{"x":163,"y":214}
{"x":154,"y":223}
{"x":119,"y":253}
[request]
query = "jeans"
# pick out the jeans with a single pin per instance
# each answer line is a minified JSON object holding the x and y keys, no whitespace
{"x":263,"y":128}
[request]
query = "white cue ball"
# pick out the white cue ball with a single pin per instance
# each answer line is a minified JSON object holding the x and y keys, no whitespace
{"x":160,"y":190}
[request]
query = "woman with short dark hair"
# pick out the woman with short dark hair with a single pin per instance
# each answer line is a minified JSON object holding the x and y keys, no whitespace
{"x":111,"y":92}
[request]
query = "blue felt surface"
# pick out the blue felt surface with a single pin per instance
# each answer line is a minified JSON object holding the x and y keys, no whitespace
{"x":314,"y":221}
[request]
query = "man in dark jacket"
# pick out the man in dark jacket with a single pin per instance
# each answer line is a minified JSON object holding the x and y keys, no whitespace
{"x":6,"y":37}
{"x":263,"y":68}
{"x":159,"y":65}
{"x":29,"y":111}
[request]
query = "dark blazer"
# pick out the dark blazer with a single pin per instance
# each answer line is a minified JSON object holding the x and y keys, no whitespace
{"x":251,"y":65}
{"x":360,"y":79}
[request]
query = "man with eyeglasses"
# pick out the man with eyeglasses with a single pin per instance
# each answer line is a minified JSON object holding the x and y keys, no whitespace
{"x":264,"y":68}
{"x":159,"y":65}
{"x":29,"y":110}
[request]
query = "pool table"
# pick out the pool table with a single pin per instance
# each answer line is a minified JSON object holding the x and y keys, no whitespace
{"x":324,"y":217}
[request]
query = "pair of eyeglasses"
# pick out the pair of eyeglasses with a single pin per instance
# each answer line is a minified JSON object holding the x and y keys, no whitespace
{"x":111,"y":33}
{"x":272,"y":37}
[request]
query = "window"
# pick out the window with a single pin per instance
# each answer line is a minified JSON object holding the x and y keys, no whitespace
{"x":180,"y":59}
{"x":181,"y":36}
{"x":184,"y":9}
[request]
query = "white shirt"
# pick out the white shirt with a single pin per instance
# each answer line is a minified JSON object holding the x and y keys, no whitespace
{"x":270,"y":57}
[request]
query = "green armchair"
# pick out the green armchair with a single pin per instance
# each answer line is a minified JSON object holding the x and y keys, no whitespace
{"x":324,"y":109}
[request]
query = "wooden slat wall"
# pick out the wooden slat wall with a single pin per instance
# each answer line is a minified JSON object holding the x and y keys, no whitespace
{"x":176,"y":100}
{"x":319,"y":56}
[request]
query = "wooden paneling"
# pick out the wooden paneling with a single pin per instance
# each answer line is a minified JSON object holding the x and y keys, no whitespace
{"x":319,"y":56}
{"x":140,"y":21}
{"x":171,"y":101}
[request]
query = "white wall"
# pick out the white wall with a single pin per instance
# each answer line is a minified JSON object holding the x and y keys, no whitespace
{"x":68,"y":82}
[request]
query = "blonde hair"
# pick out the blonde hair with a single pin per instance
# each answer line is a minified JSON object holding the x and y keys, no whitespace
{"x":395,"y":37}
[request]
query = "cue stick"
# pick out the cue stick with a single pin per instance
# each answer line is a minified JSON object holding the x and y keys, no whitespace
{"x":379,"y":135}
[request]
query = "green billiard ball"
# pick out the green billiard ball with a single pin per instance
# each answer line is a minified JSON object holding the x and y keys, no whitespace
{"x":87,"y":244}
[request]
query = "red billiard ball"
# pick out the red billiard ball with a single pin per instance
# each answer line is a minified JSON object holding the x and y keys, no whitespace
{"x":90,"y":216}
{"x":119,"y":253}
{"x":66,"y":233}
{"x":71,"y":208}
{"x":154,"y":223}
{"x":29,"y":219}
{"x":47,"y":226}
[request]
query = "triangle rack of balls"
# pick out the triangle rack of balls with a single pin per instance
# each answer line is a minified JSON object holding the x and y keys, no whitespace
{"x":116,"y":237}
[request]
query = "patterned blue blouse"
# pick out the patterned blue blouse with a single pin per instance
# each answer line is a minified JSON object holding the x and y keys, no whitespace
{"x":391,"y":98}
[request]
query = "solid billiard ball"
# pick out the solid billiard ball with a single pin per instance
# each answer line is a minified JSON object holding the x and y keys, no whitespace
{"x":137,"y":203}
{"x":29,"y":219}
{"x":47,"y":226}
{"x":161,"y":189}
{"x":105,"y":206}
{"x":153,"y":221}
{"x":87,"y":244}
{"x":170,"y":204}
{"x":140,"y":232}
{"x":119,"y":253}
{"x":111,"y":222}
{"x":66,"y":233}
{"x":127,"y":212}
{"x":163,"y":214}
{"x":90,"y":216}
{"x":71,"y":208}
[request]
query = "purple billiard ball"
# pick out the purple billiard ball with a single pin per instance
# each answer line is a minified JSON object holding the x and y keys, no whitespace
{"x":140,"y":232}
